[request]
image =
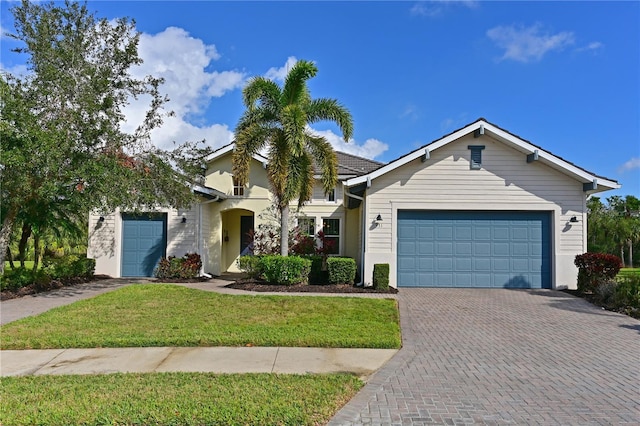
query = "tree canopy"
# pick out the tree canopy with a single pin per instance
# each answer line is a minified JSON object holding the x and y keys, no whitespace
{"x":64,"y":150}
{"x":614,"y":227}
{"x":277,"y":119}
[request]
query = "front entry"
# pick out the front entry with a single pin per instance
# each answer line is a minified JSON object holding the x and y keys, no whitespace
{"x":246,"y":235}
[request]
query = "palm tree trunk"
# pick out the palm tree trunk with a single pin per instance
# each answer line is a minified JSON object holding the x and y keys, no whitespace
{"x":284,"y":230}
{"x":10,"y":259}
{"x":622,"y":255}
{"x":630,"y":253}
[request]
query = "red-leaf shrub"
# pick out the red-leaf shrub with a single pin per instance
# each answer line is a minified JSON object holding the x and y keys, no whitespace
{"x":596,"y":268}
{"x":185,"y":267}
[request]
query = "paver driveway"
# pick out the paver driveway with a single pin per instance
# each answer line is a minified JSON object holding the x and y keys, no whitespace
{"x":504,"y":357}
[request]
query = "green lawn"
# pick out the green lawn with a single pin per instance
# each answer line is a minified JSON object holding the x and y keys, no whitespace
{"x":28,"y":264}
{"x":627,"y":272}
{"x":175,"y":399}
{"x":170,"y":315}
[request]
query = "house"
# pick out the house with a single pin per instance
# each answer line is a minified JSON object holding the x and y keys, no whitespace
{"x":479,"y":207}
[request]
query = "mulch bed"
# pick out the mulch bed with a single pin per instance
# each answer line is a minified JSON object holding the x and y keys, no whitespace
{"x":594,"y":300}
{"x":305,"y":288}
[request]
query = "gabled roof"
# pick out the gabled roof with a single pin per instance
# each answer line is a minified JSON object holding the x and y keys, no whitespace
{"x":349,"y":165}
{"x":228,"y":148}
{"x":491,"y":130}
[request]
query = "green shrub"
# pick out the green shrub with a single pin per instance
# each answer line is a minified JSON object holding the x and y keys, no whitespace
{"x":318,"y":274}
{"x":185,"y":267}
{"x":627,"y":292}
{"x":342,"y":270}
{"x":70,"y":266}
{"x":250,"y":265}
{"x":15,"y":279}
{"x":596,"y":268}
{"x":285,"y":270}
{"x":381,"y":276}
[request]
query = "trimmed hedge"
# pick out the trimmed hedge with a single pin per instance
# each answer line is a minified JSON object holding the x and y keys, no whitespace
{"x":285,"y":270}
{"x":596,"y":268}
{"x":250,"y":265}
{"x":381,"y":276}
{"x":342,"y":270}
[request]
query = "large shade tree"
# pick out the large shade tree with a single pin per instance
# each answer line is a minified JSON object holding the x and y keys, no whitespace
{"x":64,"y":149}
{"x":277,"y":119}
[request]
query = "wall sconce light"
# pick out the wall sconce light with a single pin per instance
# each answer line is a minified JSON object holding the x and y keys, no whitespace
{"x":184,"y":219}
{"x":379,"y":218}
{"x":573,"y":219}
{"x":101,"y":219}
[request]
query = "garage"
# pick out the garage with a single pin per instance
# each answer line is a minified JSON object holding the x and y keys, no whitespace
{"x":483,"y":249}
{"x":144,"y":243}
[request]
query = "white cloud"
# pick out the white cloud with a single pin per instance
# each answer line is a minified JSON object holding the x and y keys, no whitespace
{"x":18,"y":71}
{"x":371,"y":148}
{"x":594,"y":46}
{"x":280,"y":73}
{"x":525,"y":44}
{"x":410,"y":112}
{"x":182,"y":61}
{"x":437,"y":7}
{"x":632,"y":164}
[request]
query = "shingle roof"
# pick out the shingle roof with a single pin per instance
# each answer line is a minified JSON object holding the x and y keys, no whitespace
{"x":352,"y":165}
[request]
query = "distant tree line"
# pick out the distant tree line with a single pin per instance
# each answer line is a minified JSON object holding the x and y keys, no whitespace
{"x":614,"y":227}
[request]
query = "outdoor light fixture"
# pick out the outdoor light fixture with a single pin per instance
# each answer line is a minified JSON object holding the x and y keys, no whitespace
{"x":573,"y":219}
{"x":379,"y":218}
{"x":101,"y":219}
{"x":184,"y":219}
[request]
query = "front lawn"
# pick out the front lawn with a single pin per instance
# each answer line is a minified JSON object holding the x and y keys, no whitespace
{"x":170,"y":315}
{"x":175,"y":398}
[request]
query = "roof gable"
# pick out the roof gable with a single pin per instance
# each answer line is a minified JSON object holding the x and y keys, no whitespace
{"x":482,"y":128}
{"x":349,"y":165}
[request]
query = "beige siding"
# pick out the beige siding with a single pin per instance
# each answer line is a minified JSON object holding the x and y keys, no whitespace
{"x":219,"y":175}
{"x":505,"y":182}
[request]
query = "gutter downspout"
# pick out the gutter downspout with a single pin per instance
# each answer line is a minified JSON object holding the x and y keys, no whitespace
{"x":202,"y":272}
{"x":362,"y":240}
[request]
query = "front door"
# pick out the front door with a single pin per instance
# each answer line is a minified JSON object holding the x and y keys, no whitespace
{"x":246,"y":234}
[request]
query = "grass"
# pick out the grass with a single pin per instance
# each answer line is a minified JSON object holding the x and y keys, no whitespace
{"x":28,"y":264}
{"x":170,"y":315}
{"x":175,"y":399}
{"x":628,"y":272}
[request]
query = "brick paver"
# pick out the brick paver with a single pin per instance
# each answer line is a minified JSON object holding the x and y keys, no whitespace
{"x":474,"y":356}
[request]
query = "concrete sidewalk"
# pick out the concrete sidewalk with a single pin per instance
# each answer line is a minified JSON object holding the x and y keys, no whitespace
{"x":362,"y":362}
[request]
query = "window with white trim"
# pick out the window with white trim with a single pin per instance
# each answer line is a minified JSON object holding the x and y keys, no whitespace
{"x":331,"y":195}
{"x":331,"y":229}
{"x":238,"y":190}
{"x":307,"y":225}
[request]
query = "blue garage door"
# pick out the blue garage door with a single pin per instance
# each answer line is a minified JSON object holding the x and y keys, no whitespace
{"x":144,"y":242}
{"x":473,"y":249}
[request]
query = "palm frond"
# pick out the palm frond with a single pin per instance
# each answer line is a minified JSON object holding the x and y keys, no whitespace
{"x":261,"y":91}
{"x":329,"y":109}
{"x":295,"y":84}
{"x":326,"y":159}
{"x":248,"y":142}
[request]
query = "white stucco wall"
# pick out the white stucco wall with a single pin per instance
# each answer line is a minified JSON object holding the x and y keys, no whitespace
{"x":505,"y":182}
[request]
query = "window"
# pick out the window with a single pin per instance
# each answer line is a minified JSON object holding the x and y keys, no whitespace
{"x":476,"y":156}
{"x":331,"y":195}
{"x":237,"y":188}
{"x":307,"y":225}
{"x":331,"y":229}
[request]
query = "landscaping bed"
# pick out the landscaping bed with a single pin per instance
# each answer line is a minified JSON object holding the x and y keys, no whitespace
{"x":261,"y":286}
{"x":52,"y":285}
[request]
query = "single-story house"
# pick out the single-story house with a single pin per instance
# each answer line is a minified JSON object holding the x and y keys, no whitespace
{"x":479,"y":207}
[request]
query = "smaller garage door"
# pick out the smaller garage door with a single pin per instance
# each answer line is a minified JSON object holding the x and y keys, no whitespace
{"x":144,"y":243}
{"x":473,"y":249}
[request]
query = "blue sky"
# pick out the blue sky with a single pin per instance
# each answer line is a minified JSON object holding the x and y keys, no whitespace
{"x":563,"y":75}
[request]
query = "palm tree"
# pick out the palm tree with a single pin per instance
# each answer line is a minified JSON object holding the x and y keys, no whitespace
{"x":278,"y":118}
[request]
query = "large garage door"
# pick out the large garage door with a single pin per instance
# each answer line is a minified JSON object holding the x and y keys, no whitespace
{"x":473,"y":249}
{"x":144,"y":242}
